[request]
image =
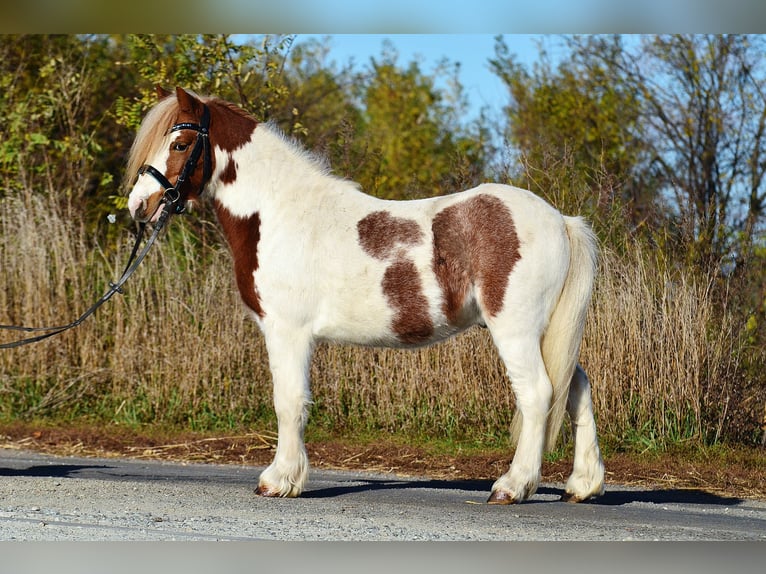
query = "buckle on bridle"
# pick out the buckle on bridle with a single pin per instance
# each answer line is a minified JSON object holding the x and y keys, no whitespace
{"x":172,"y":197}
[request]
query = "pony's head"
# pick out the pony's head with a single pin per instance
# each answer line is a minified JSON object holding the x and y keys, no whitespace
{"x":170,"y":160}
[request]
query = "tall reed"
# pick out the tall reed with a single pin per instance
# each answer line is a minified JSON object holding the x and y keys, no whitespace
{"x":662,"y":357}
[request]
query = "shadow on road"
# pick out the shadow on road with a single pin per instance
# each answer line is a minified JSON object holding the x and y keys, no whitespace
{"x":665,"y":496}
{"x":50,"y":470}
{"x":612,"y":497}
{"x":396,"y":484}
{"x":609,"y":498}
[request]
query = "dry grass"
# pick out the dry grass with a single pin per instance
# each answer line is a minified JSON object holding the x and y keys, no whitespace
{"x":662,"y":359}
{"x":176,"y":349}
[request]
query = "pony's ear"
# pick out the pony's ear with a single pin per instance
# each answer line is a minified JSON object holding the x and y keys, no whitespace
{"x":186,"y":102}
{"x":161,"y":92}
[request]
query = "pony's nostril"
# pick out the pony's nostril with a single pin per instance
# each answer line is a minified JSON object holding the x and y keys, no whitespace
{"x":137,"y":208}
{"x":140,"y":209}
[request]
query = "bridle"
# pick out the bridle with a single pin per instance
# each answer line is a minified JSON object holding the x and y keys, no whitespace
{"x":173,"y":202}
{"x":172,"y":193}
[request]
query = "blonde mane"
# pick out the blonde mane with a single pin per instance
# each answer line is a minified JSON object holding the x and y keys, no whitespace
{"x":149,"y":137}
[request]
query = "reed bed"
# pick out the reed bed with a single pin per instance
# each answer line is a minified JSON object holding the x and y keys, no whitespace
{"x":661,"y":356}
{"x":177,"y":349}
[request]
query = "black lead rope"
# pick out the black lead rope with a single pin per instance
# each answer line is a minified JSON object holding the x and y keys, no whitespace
{"x":173,"y":202}
{"x":133,"y":262}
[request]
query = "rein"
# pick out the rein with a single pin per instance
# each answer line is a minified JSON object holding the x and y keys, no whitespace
{"x":172,"y":203}
{"x":133,"y":262}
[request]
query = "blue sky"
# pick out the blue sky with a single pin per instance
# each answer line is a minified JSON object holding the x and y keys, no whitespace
{"x":472,"y":51}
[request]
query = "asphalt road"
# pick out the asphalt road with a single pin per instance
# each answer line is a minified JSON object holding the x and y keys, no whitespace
{"x":75,"y":499}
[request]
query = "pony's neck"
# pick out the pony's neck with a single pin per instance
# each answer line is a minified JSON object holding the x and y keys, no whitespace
{"x":272,"y":173}
{"x":279,"y":159}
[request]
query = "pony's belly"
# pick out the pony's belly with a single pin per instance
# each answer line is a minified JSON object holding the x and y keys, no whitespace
{"x":390,"y":330}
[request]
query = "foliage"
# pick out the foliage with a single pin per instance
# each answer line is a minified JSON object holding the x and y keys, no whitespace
{"x":244,"y":73}
{"x":406,"y":123}
{"x":53,"y":135}
{"x":574,"y":128}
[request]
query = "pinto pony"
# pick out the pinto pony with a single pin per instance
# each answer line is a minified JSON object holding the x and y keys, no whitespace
{"x":315,"y":260}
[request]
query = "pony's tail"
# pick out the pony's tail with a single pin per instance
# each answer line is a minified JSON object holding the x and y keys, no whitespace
{"x":561,"y":342}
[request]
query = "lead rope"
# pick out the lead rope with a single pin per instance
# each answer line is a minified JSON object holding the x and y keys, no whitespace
{"x":133,"y":262}
{"x":173,"y":202}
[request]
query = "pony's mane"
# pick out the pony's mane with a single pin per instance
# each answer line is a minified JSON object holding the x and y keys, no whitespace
{"x":160,"y":117}
{"x":316,"y":160}
{"x":150,"y":136}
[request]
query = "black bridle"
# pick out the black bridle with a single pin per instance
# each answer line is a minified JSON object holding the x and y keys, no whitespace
{"x":173,"y":194}
{"x":173,"y":202}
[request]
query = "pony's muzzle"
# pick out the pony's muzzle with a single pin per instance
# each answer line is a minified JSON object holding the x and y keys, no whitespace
{"x":146,"y":209}
{"x":137,"y":209}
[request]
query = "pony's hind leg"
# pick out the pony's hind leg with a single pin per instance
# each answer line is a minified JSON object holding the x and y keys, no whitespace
{"x":533,"y":392}
{"x":587,"y":478}
{"x":289,"y":358}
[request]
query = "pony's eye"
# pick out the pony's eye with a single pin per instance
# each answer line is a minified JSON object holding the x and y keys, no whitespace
{"x":179,"y":146}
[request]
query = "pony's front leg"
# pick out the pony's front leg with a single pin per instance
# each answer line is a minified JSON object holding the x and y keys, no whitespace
{"x":289,"y":359}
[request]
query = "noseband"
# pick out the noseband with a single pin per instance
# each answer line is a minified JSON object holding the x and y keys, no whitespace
{"x":172,"y":194}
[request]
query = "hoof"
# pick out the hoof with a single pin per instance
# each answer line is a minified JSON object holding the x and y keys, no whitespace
{"x":501,"y":497}
{"x":267,"y":492}
{"x":571,"y":497}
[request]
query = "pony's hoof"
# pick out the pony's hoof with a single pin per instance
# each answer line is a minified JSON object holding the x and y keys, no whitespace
{"x":571,"y":497}
{"x":267,"y":491}
{"x":501,"y":497}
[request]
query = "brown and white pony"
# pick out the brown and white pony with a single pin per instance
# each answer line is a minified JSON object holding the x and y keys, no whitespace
{"x":315,"y":260}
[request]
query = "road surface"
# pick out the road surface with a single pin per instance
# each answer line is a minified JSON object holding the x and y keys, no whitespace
{"x":62,"y":498}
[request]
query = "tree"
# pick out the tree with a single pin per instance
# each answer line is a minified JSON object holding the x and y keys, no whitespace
{"x":409,"y":127}
{"x":575,"y":130}
{"x":54,"y":94}
{"x":703,"y":118}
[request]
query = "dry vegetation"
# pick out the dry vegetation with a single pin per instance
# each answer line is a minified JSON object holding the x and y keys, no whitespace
{"x":176,"y":350}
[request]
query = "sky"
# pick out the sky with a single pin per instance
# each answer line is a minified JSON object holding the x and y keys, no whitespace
{"x":472,"y":51}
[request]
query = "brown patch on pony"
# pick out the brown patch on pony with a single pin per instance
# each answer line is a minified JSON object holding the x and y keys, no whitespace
{"x":230,"y":129}
{"x":243,"y":235}
{"x":239,"y":125}
{"x":380,"y":233}
{"x":229,"y":173}
{"x":382,"y":236}
{"x":401,"y":286}
{"x":475,"y":243}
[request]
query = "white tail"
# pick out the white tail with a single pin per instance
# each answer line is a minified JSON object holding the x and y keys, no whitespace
{"x":561,"y":342}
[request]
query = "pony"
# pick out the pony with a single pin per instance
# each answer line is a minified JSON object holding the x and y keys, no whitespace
{"x":317,"y":260}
